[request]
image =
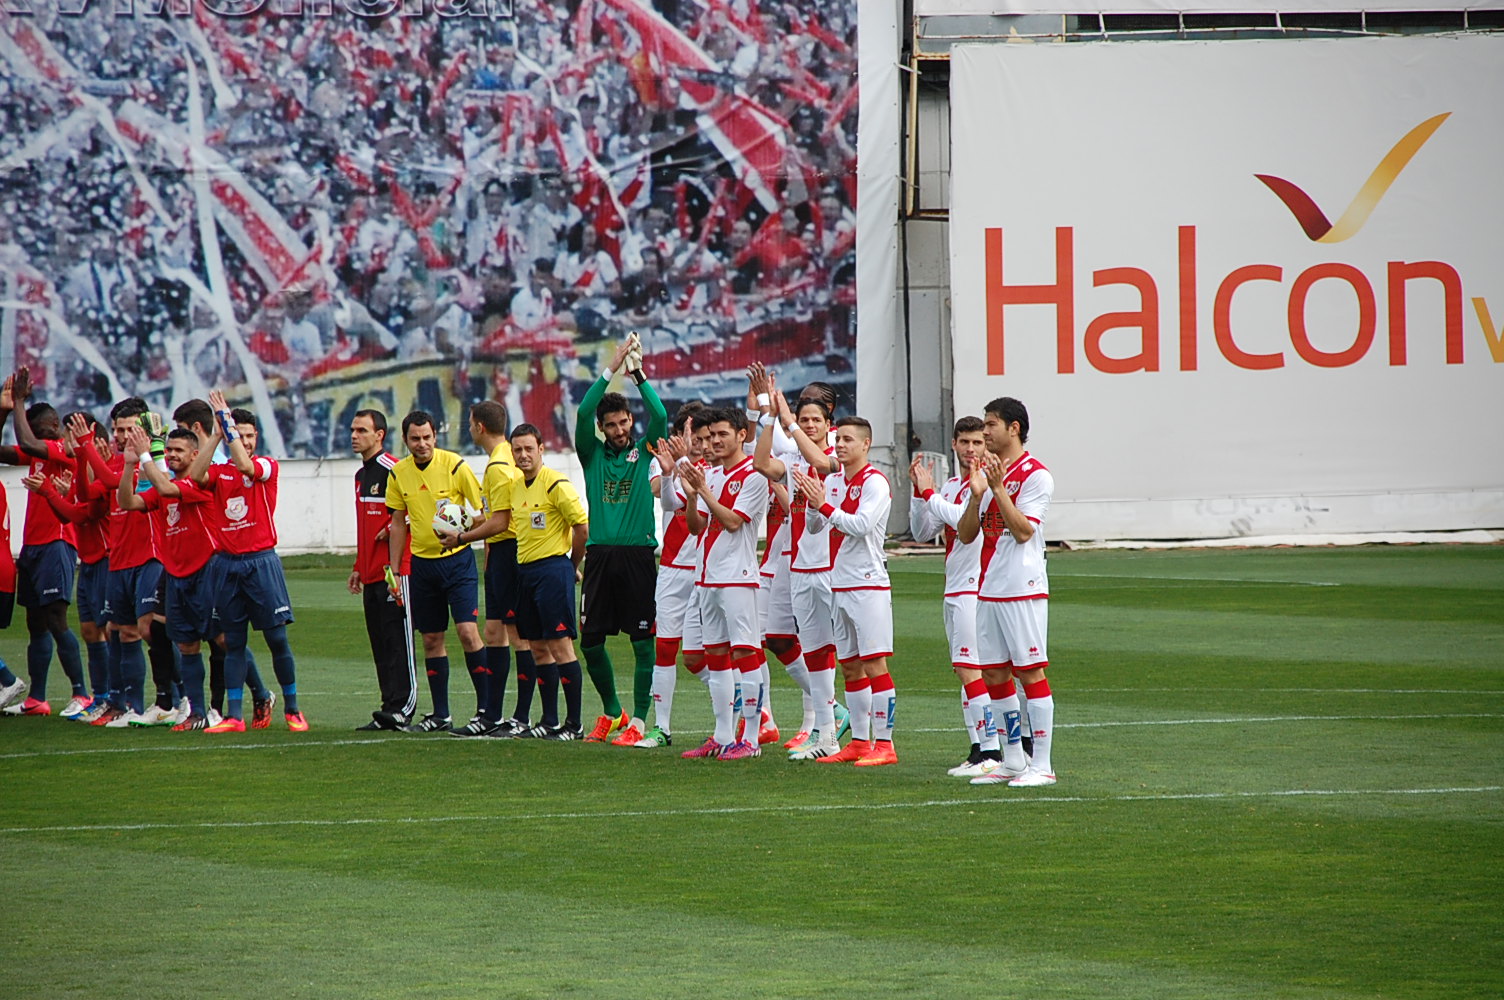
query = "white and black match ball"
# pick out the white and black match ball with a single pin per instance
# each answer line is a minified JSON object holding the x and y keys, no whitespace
{"x":452,"y":516}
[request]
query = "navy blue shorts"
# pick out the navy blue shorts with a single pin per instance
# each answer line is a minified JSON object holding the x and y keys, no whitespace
{"x":93,"y":591}
{"x":132,"y":594}
{"x":45,"y":574}
{"x":190,"y":606}
{"x":545,"y":607}
{"x":439,"y":588}
{"x":501,"y":582}
{"x":249,"y":588}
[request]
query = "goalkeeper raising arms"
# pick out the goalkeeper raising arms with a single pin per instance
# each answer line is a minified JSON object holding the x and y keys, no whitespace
{"x":620,"y":570}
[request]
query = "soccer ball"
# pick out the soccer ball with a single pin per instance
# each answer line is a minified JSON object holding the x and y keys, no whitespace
{"x":453,"y":516}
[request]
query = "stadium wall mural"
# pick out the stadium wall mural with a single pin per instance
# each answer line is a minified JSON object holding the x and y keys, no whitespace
{"x":323,"y":211}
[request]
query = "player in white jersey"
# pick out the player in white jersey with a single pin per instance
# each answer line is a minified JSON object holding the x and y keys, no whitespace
{"x":855,"y":500}
{"x":677,"y":567}
{"x":725,"y":506}
{"x":811,"y":551}
{"x":934,"y":513}
{"x":1007,"y":509}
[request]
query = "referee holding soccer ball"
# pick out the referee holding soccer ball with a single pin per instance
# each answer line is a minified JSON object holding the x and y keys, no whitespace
{"x":442,"y":582}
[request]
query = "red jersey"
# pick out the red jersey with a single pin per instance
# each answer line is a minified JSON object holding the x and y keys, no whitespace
{"x":131,"y":538}
{"x":373,"y":519}
{"x":42,"y":522}
{"x":184,"y":542}
{"x":240,"y":507}
{"x":87,"y":508}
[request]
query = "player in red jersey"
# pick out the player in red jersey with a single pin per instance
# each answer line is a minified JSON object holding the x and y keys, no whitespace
{"x":1007,"y":508}
{"x":854,"y":502}
{"x":81,"y":499}
{"x":48,"y":548}
{"x":249,"y":588}
{"x":184,"y":548}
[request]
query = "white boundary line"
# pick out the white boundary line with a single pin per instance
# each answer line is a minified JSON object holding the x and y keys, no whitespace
{"x":397,"y":740}
{"x":782,"y":809}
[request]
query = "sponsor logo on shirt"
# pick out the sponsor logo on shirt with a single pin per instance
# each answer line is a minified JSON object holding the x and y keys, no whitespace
{"x":235,"y":509}
{"x":173,"y":515}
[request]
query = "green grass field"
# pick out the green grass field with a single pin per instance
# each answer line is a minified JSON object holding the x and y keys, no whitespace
{"x":1280,"y":776}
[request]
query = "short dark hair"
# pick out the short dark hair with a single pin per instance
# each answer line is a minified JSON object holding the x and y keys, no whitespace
{"x":706,"y":416}
{"x":183,"y":434}
{"x":686,"y":413}
{"x":417,"y":418}
{"x":1009,"y":411}
{"x":377,"y":418}
{"x":195,"y":411}
{"x":491,"y":415}
{"x":967,"y":425}
{"x":131,"y":406}
{"x":527,"y":430}
{"x":611,"y":402}
{"x":732,"y":415}
{"x":861,"y":422}
{"x":243,"y":416}
{"x":40,"y":411}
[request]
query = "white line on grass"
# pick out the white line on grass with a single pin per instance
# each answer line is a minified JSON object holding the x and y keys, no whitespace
{"x":394,"y":740}
{"x":784,"y":809}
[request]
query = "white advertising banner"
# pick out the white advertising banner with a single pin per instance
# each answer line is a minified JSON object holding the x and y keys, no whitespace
{"x":1244,"y":288}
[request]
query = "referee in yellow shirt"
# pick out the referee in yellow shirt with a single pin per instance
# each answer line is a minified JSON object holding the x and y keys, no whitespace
{"x":552,"y":528}
{"x":441,"y":583}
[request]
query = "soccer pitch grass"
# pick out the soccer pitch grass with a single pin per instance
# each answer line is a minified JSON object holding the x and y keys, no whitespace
{"x":1280,"y":776}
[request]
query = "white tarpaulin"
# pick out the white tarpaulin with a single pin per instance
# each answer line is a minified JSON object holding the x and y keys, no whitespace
{"x":1244,"y":287}
{"x":933,"y":8}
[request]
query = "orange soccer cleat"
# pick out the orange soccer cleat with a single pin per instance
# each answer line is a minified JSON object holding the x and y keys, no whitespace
{"x":855,"y":751}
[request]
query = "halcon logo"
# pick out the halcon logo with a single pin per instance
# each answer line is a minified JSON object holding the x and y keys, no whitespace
{"x":1248,"y":282}
{"x":1313,"y":220}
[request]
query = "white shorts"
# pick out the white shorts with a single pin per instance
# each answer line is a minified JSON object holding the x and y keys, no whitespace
{"x":728,"y":616}
{"x":775,"y":603}
{"x":674,"y":594}
{"x":693,"y":639}
{"x":1014,"y":631}
{"x":814,"y":616}
{"x":961,"y":629}
{"x":864,"y":624}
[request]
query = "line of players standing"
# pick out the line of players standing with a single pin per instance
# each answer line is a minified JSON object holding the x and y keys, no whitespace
{"x":818,"y":596}
{"x":167,"y":539}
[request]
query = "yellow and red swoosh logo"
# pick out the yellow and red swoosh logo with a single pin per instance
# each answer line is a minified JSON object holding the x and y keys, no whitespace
{"x":1314,"y":221}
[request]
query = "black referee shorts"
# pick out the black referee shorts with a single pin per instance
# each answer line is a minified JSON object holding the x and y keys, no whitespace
{"x":618,"y":593}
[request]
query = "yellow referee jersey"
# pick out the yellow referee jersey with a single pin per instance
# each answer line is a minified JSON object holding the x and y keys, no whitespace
{"x":496,"y":485}
{"x":543,"y":512}
{"x":417,"y":492}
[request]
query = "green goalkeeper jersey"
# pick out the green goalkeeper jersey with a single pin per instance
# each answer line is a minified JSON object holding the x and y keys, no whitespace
{"x":618,"y":486}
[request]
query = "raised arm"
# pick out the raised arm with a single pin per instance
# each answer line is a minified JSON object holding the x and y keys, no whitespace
{"x":126,"y":496}
{"x":26,"y":439}
{"x":813,"y":452}
{"x":767,"y":425}
{"x":585,"y":442}
{"x":242,"y":458}
{"x":657,"y":412}
{"x":160,"y":481}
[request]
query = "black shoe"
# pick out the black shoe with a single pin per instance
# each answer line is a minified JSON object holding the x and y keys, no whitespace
{"x":477,"y":727}
{"x":369,"y":727}
{"x":390,"y":720}
{"x":564,"y":733}
{"x":431,"y":724}
{"x":509,"y":729}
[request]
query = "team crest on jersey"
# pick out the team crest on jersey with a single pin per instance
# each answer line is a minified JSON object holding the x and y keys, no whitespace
{"x":854,"y":492}
{"x":235,"y":509}
{"x":632,"y":455}
{"x":173,"y":514}
{"x":1012,"y":488}
{"x":734,"y":487}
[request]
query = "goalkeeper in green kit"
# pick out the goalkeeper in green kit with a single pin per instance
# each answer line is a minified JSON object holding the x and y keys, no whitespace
{"x":620,"y":571}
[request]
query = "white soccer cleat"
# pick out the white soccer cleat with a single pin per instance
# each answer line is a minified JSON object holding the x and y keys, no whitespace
{"x":213,"y":718}
{"x":15,"y":693}
{"x":131,"y":718}
{"x":818,"y":746}
{"x":76,"y":707}
{"x":1032,"y":779}
{"x":975,"y":768}
{"x":156,"y":715}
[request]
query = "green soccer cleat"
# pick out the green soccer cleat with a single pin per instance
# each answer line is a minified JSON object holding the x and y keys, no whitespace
{"x":654,"y":739}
